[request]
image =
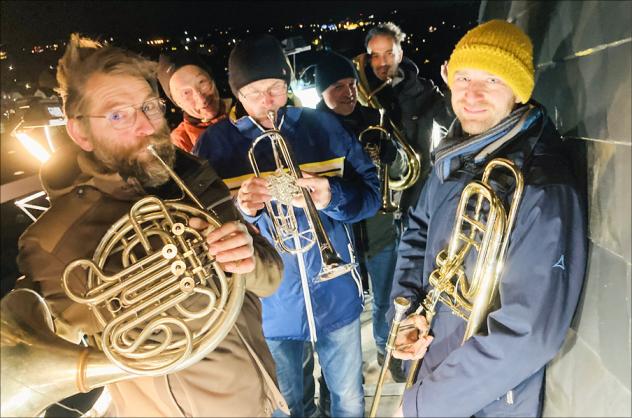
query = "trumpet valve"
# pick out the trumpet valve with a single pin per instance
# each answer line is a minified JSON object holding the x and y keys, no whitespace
{"x":283,"y":187}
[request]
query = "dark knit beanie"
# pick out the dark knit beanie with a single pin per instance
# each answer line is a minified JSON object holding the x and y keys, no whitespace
{"x":332,"y":67}
{"x":257,"y":58}
{"x":169,"y":63}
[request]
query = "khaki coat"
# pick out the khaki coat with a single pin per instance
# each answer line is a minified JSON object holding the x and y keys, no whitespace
{"x":238,"y":377}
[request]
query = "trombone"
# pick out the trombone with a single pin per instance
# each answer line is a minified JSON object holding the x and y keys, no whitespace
{"x":482,"y":223}
{"x":287,"y":235}
{"x":401,"y":306}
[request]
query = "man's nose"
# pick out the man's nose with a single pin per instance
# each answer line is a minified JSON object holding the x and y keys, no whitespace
{"x":199,"y":97}
{"x":474,"y":90}
{"x":268,"y":98}
{"x":143,"y":126}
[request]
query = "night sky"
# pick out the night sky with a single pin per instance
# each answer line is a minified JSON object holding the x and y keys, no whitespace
{"x":30,"y":29}
{"x":25,"y":23}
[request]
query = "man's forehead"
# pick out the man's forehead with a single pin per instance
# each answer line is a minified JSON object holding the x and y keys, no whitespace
{"x":189,"y":71}
{"x":262,"y":84}
{"x":107,"y":91}
{"x":381,"y":43}
{"x":475,"y":72}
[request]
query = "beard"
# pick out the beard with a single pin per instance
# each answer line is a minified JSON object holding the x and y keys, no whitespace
{"x":137,"y":161}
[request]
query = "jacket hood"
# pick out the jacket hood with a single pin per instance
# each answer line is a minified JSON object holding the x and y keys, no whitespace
{"x":410,"y":69}
{"x":70,"y":167}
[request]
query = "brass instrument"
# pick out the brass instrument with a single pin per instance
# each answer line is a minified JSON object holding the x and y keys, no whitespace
{"x":39,"y":368}
{"x":401,"y":306}
{"x":283,"y":187}
{"x":368,"y":97}
{"x":162,"y":303}
{"x":373,"y":150}
{"x":482,"y":223}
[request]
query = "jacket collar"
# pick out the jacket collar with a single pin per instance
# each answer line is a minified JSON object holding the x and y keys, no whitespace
{"x":519,"y":146}
{"x":70,"y":168}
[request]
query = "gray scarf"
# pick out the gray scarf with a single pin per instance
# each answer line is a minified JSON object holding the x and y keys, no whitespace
{"x":456,"y":146}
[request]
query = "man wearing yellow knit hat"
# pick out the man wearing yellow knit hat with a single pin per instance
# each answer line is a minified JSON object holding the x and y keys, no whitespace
{"x":498,"y":369}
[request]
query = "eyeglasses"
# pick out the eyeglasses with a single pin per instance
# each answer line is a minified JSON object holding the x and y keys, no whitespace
{"x":276,"y":89}
{"x":125,"y":117}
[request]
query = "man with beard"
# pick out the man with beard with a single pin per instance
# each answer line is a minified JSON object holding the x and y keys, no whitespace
{"x":187,"y":81}
{"x":414,"y":104}
{"x":499,"y":370}
{"x":113,"y":113}
{"x":343,"y":186}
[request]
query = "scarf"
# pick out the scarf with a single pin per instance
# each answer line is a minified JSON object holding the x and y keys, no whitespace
{"x":457,"y":147}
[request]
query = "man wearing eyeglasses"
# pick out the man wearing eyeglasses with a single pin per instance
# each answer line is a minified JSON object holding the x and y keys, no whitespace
{"x":187,"y":81}
{"x":114,"y":113}
{"x":343,"y":185}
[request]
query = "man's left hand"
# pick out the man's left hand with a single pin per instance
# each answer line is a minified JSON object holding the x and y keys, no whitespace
{"x":319,"y":190}
{"x":230,"y":244}
{"x":412,"y":340}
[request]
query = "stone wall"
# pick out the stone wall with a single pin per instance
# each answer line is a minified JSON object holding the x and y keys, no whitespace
{"x":582,"y":53}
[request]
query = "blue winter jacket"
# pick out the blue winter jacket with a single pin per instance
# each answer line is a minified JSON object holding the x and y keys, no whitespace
{"x":500,"y":372}
{"x":320,"y":145}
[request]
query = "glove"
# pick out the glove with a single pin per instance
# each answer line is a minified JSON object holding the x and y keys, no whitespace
{"x":388,"y":152}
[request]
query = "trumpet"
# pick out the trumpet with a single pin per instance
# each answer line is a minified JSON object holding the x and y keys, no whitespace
{"x":368,"y":97}
{"x":162,"y":304}
{"x":484,"y":224}
{"x":373,"y":150}
{"x":287,"y":235}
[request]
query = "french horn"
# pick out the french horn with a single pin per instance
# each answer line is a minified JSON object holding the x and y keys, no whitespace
{"x":162,"y":302}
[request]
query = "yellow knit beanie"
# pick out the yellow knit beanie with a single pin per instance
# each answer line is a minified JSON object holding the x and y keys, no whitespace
{"x":500,"y":48}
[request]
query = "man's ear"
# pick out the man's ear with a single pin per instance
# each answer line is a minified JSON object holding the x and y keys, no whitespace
{"x":400,"y":55}
{"x":77,"y":133}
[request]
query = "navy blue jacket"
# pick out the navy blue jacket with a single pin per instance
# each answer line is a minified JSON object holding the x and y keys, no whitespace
{"x":500,"y":373}
{"x":320,"y":145}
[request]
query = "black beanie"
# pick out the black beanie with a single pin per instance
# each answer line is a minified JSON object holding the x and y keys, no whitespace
{"x":332,"y":67}
{"x":168,"y":64}
{"x":257,"y":58}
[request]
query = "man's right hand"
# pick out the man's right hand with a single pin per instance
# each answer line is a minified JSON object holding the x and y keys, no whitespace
{"x":413,"y":340}
{"x":252,"y":195}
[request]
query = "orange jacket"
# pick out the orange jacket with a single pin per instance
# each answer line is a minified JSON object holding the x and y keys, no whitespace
{"x":185,"y":135}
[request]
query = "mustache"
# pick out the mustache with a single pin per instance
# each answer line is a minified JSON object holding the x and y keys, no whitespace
{"x":483,"y":104}
{"x":137,"y":162}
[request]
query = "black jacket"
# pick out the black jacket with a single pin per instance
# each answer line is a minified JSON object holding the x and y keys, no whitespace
{"x":500,"y":372}
{"x":412,"y":105}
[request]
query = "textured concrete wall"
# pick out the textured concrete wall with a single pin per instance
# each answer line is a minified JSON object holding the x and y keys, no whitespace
{"x":582,"y":52}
